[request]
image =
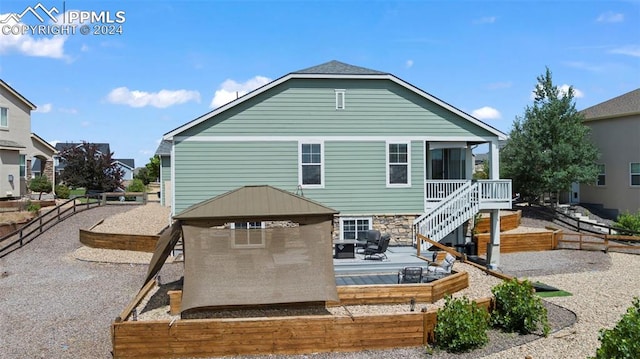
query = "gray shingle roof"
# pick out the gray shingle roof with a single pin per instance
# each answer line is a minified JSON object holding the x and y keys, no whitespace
{"x":164,"y":148}
{"x":338,"y":68}
{"x":127,"y":161}
{"x":622,"y":105}
{"x":102,"y":147}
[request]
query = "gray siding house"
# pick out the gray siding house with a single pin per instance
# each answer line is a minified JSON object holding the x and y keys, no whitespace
{"x":23,"y":154}
{"x":383,"y":152}
{"x":615,"y":130}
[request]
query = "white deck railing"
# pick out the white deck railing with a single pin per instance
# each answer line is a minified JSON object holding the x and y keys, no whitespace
{"x":450,"y":203}
{"x":450,"y":214}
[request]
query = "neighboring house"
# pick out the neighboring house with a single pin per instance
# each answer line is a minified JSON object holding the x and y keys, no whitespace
{"x":126,"y":164}
{"x":615,"y":130}
{"x":383,"y":152}
{"x":164,"y":153}
{"x":23,"y":154}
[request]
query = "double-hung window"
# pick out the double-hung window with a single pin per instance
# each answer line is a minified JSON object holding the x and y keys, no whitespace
{"x":354,"y":228}
{"x":602,"y":179}
{"x":634,"y":172}
{"x":398,"y":164}
{"x":311,"y":160}
{"x":4,"y":117}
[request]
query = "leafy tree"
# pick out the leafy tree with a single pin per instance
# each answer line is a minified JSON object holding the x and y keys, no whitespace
{"x":623,"y":341}
{"x":549,"y":148}
{"x":136,"y":186}
{"x":86,"y":166}
{"x":153,"y":168}
{"x":143,"y":175}
{"x":40,"y":184}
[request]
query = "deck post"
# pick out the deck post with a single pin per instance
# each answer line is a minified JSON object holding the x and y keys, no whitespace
{"x":493,"y":250}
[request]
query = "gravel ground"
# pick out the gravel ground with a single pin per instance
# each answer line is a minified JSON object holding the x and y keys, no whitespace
{"x":54,"y":306}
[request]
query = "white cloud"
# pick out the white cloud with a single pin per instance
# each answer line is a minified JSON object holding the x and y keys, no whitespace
{"x":631,"y":50}
{"x":486,"y":113}
{"x":610,"y":16}
{"x":85,"y":123}
{"x":485,"y":20}
{"x":46,"y":108}
{"x":230,"y":90}
{"x":84,"y":48}
{"x":564,"y":89}
{"x":28,"y":45}
{"x":409,"y":64}
{"x":160,"y":99}
{"x":584,"y":66}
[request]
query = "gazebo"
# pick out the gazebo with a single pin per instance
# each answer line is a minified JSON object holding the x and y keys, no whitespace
{"x":256,"y":245}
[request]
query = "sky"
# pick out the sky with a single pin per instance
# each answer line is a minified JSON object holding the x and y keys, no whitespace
{"x":147,"y":67}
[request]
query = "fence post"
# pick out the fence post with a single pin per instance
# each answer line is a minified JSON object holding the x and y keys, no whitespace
{"x":144,"y":197}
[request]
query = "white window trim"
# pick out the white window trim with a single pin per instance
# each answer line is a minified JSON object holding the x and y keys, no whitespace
{"x":263,"y":238}
{"x":398,"y":185}
{"x":341,"y":93}
{"x":321,"y":143}
{"x":1,"y":126}
{"x":631,"y":174}
{"x":342,"y":219}
{"x":603,"y":174}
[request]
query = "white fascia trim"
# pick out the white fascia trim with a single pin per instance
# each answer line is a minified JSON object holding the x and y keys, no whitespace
{"x":398,"y":185}
{"x":395,"y":139}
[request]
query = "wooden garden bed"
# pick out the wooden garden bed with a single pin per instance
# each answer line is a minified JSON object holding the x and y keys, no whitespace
{"x":520,"y":242}
{"x":290,"y":335}
{"x":131,"y":242}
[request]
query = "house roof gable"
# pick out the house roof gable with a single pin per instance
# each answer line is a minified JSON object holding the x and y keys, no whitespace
{"x":17,"y":94}
{"x":128,"y":162}
{"x":623,"y":105}
{"x":335,"y":70}
{"x":45,"y":143}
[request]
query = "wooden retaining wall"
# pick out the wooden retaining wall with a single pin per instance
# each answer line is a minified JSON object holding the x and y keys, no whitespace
{"x":131,"y":242}
{"x":6,"y":228}
{"x":520,"y":242}
{"x":507,"y":222}
{"x":378,"y":293}
{"x":277,"y":335}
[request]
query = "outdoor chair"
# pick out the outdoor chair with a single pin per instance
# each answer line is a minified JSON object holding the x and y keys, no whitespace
{"x":377,"y":251}
{"x":443,"y":269}
{"x":370,"y":236}
{"x":410,"y":275}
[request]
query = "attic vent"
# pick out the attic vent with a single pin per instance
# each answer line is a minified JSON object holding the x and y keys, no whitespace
{"x":340,"y":99}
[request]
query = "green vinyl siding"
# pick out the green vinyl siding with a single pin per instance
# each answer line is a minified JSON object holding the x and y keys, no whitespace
{"x":208,"y":169}
{"x":165,"y":162}
{"x":307,"y":107}
{"x":355,"y":181}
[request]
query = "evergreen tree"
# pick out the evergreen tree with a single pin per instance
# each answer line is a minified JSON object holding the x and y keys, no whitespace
{"x":549,"y":148}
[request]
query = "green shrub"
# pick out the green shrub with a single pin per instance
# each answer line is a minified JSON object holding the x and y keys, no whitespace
{"x":136,"y":186}
{"x":40,"y":184}
{"x":623,"y":341}
{"x":518,"y":309}
{"x":62,"y":191}
{"x":33,"y":207}
{"x":629,"y":222}
{"x":461,"y":325}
